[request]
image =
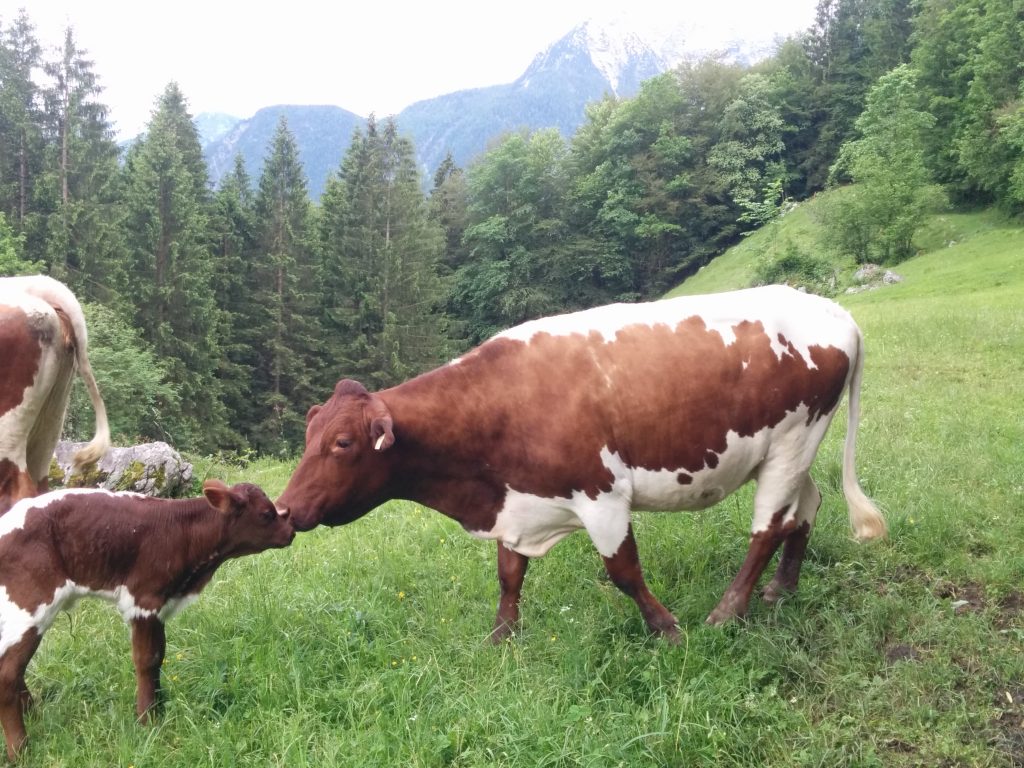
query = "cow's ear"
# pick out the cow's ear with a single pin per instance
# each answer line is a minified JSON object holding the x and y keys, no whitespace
{"x":221,"y":497}
{"x":381,"y":435}
{"x":313,"y":411}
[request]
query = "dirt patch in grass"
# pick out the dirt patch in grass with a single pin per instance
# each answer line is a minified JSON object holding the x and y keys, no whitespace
{"x":966,"y":598}
{"x":1009,"y":724}
{"x":1011,"y":607}
{"x":901,"y":652}
{"x":970,"y":598}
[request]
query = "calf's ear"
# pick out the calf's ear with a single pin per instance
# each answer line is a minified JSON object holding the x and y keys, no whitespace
{"x":221,"y":497}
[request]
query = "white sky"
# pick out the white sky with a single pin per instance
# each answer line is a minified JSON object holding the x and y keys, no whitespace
{"x":237,"y":57}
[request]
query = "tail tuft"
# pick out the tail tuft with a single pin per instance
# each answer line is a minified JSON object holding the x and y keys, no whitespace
{"x":865,"y":518}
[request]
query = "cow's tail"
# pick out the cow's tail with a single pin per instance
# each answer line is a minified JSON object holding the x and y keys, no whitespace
{"x":93,"y":451}
{"x":865,"y":518}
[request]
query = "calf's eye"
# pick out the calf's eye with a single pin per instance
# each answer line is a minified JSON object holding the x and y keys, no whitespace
{"x":343,"y":443}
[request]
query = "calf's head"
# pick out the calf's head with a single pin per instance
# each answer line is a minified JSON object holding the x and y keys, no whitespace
{"x":253,"y":523}
{"x":341,"y":475}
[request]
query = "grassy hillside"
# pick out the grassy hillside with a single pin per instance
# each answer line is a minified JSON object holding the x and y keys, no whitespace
{"x":364,"y":646}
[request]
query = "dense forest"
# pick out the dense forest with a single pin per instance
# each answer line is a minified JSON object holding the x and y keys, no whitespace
{"x":218,"y":315}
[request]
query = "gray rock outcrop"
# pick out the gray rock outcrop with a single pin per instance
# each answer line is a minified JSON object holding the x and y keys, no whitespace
{"x":155,"y":469}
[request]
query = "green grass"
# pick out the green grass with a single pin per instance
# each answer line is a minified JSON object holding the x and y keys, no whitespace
{"x":365,"y":645}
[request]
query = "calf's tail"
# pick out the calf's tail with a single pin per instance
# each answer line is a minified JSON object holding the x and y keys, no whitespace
{"x":865,"y":518}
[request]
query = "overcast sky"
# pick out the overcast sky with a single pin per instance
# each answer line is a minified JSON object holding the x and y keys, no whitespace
{"x":365,"y":57}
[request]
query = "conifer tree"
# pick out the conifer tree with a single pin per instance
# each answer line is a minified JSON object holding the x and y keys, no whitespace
{"x":171,"y":270}
{"x":20,"y":134}
{"x":84,"y":244}
{"x":282,"y":299}
{"x":235,"y":240}
{"x":381,"y":257}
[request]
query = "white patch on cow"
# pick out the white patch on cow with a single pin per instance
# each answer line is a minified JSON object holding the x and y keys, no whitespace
{"x":777,"y":457}
{"x":531,"y":525}
{"x":782,"y":474}
{"x":15,"y":621}
{"x":803,"y":319}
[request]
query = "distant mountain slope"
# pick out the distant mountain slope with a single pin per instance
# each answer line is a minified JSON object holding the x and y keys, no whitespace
{"x":322,"y":134}
{"x":582,"y":67}
{"x":592,"y":60}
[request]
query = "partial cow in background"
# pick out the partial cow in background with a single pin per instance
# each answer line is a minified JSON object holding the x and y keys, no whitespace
{"x":573,"y":421}
{"x":42,"y":341}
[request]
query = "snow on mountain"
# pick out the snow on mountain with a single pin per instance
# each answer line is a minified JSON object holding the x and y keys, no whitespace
{"x":614,"y":48}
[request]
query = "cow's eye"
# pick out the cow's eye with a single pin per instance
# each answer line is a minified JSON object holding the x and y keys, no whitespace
{"x":343,"y":443}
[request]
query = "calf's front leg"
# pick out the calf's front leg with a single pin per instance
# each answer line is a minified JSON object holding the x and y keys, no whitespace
{"x":148,"y":647}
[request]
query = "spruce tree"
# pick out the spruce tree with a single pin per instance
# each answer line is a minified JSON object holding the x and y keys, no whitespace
{"x":381,"y":255}
{"x":235,"y":240}
{"x":84,"y":244}
{"x":171,"y":269}
{"x":282,"y":298}
{"x":20,"y":135}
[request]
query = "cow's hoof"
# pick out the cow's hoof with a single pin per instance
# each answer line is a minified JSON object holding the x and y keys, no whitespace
{"x":773,"y":592}
{"x":501,"y":632}
{"x":671,"y":634}
{"x":721,"y":616}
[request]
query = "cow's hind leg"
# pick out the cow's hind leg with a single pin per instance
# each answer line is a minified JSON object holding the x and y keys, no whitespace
{"x":624,"y":569}
{"x":775,"y":510}
{"x":787,"y":575}
{"x":511,"y":572}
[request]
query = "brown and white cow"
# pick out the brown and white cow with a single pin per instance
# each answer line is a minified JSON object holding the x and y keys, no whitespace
{"x":150,"y":557}
{"x":573,"y":421}
{"x":42,"y":340}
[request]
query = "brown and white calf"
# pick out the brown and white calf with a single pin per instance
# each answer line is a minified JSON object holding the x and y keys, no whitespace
{"x":42,"y":341}
{"x":573,"y":421}
{"x":150,"y":557}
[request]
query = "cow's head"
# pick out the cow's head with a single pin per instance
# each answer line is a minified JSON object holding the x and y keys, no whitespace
{"x":341,"y":474}
{"x":253,"y":522}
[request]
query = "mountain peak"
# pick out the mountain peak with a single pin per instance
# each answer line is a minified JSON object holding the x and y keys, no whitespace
{"x":614,"y":48}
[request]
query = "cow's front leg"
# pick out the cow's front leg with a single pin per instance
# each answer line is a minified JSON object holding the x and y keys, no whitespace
{"x":624,"y":569}
{"x":148,"y":647}
{"x":511,"y":572}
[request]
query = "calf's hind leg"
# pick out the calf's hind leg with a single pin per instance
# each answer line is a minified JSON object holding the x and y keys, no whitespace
{"x":148,"y":647}
{"x":13,"y":692}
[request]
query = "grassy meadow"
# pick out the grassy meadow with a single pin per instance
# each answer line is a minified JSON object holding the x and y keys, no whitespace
{"x":365,"y":645}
